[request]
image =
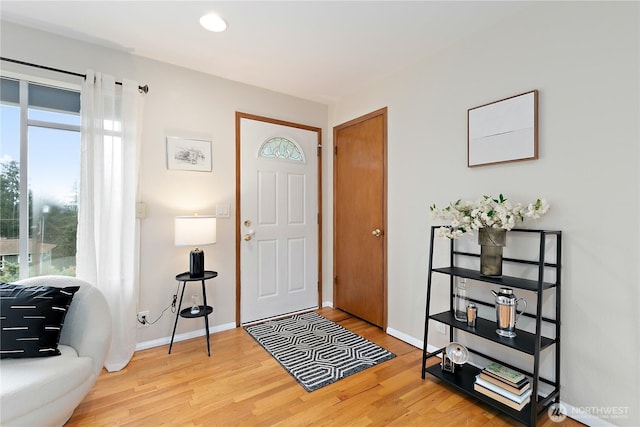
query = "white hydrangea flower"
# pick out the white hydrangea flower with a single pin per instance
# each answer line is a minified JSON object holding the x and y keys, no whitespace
{"x":486,"y":212}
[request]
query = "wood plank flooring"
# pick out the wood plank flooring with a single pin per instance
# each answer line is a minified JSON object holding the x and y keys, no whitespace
{"x":242,"y":385}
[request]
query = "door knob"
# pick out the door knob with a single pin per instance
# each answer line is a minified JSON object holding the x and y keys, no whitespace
{"x":247,"y":237}
{"x":377,"y":232}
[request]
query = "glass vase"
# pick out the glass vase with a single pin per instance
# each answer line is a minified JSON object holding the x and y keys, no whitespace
{"x":492,"y":242}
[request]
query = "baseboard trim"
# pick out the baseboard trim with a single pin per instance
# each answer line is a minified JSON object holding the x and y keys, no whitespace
{"x":185,"y":336}
{"x":410,"y":340}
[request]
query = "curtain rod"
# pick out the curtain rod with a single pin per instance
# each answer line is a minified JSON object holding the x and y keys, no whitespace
{"x":142,"y":89}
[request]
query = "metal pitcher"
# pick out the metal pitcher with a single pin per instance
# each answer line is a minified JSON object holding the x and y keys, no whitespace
{"x":506,"y":312}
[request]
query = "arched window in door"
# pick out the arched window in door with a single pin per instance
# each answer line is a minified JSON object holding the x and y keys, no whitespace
{"x":278,"y":147}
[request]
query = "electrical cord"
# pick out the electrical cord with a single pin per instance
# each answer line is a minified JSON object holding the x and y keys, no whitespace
{"x":149,"y":322}
{"x":171,"y":306}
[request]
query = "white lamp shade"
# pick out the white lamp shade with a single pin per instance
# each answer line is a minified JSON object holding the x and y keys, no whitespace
{"x":195,"y":230}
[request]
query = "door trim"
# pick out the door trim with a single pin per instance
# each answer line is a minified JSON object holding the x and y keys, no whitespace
{"x":239,"y":117}
{"x":381,"y":112}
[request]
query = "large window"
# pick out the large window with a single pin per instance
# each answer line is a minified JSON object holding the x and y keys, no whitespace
{"x":39,"y":172}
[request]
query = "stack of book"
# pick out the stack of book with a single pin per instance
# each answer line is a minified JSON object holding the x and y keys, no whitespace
{"x":504,"y":385}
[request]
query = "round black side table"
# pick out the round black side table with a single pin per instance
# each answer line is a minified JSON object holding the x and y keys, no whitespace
{"x":205,"y":310}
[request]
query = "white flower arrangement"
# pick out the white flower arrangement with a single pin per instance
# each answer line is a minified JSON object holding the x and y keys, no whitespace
{"x":487,"y":212}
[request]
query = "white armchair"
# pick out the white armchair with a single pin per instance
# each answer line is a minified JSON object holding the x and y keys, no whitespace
{"x":44,"y":391}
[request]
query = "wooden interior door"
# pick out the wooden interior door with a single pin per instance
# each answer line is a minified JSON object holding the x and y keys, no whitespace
{"x":360,"y":217}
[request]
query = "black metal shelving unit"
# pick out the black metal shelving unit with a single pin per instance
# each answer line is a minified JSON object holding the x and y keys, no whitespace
{"x":526,"y":342}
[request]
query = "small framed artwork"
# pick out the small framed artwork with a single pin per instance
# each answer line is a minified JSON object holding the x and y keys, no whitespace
{"x":503,"y":131}
{"x":188,"y":154}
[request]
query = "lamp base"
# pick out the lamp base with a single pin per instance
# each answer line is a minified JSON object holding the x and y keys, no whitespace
{"x":196,"y":263}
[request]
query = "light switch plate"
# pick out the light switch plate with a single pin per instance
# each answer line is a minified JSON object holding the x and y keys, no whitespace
{"x":222,"y":211}
{"x":141,"y":210}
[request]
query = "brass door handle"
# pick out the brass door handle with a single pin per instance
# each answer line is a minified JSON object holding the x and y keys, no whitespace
{"x":377,"y":232}
{"x":247,"y":237}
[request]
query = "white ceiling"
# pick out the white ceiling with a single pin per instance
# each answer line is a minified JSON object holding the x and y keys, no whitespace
{"x":318,"y":50}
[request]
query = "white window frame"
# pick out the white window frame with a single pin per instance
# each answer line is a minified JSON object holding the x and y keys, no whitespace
{"x":24,"y":81}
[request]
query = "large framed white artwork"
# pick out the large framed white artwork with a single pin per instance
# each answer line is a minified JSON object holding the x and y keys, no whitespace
{"x":188,"y":154}
{"x":503,"y":131}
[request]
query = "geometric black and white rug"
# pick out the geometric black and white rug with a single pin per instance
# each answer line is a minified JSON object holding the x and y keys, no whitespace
{"x":315,"y":350}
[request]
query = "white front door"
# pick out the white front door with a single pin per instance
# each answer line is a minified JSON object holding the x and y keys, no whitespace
{"x":278,"y":218}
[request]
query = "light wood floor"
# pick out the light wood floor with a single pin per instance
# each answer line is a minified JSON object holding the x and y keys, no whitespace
{"x":242,"y":385}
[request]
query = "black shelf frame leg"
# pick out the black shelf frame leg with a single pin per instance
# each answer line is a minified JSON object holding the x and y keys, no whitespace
{"x":536,"y":353}
{"x":426,"y":311}
{"x":558,"y":345}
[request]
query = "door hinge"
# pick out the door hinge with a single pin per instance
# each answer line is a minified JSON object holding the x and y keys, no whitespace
{"x":335,"y":280}
{"x":319,"y":150}
{"x":335,"y":150}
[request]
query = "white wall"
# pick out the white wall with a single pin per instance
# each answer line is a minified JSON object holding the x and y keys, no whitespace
{"x":179,"y":103}
{"x":583,"y":57}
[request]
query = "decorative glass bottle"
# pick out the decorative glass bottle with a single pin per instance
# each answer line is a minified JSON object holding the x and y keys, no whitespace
{"x":461,"y":301}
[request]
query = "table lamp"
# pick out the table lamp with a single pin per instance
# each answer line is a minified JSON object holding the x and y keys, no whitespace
{"x":196,"y":230}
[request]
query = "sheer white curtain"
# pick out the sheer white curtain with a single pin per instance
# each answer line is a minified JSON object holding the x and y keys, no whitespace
{"x":108,"y":231}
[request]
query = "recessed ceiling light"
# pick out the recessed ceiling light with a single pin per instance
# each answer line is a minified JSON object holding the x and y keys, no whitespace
{"x":213,"y":22}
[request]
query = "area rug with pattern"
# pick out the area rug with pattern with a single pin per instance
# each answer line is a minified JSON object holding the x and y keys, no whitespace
{"x":316,"y":351}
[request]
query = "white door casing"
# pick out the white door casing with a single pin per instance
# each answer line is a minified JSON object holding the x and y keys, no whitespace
{"x":278,"y":219}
